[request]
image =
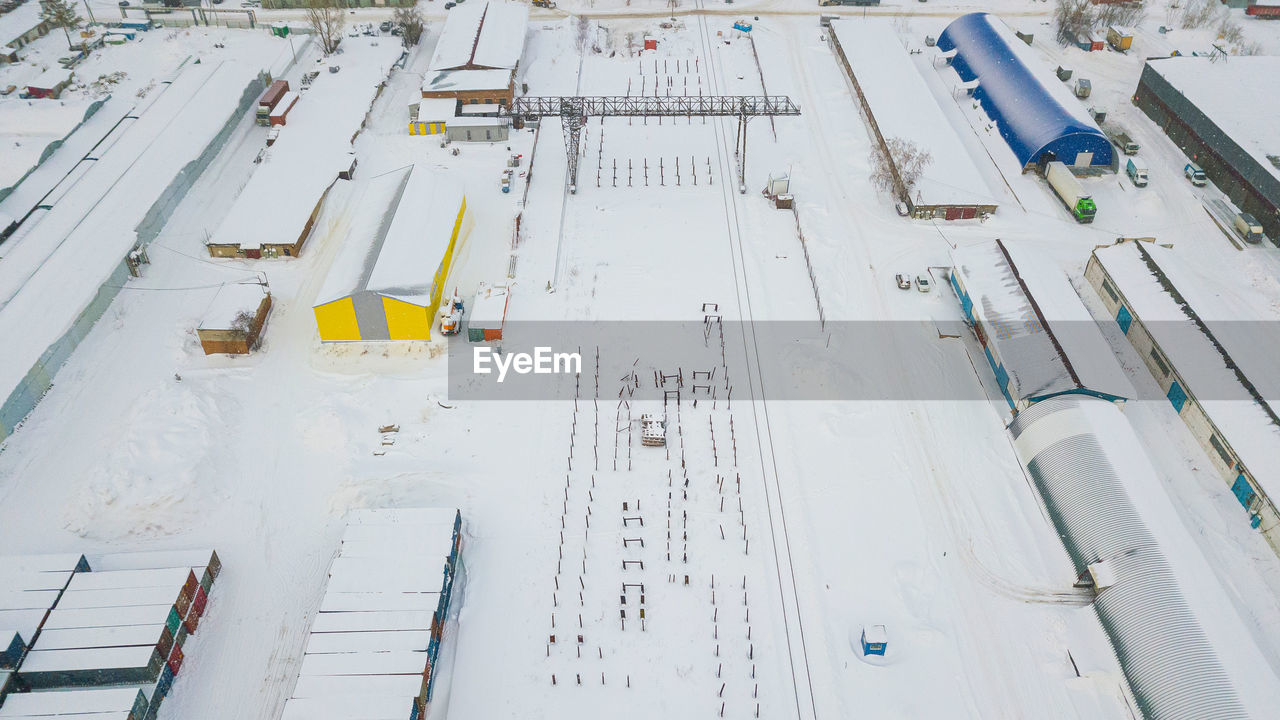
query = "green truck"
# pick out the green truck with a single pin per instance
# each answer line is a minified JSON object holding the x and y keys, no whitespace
{"x":1068,"y":189}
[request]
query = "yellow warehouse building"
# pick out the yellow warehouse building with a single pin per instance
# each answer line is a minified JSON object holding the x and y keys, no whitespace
{"x":388,"y":279}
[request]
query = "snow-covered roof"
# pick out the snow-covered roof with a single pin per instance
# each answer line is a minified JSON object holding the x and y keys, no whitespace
{"x":886,"y":74}
{"x":371,"y":641}
{"x":51,"y":78}
{"x":70,"y":702}
{"x":314,"y":144}
{"x":229,"y":301}
{"x":437,"y":109}
{"x":466,"y":80}
{"x":489,"y":308}
{"x":482,"y":35}
{"x":19,"y":21}
{"x":1082,"y":455}
{"x":1026,"y":332}
{"x":1223,"y":90}
{"x":27,"y":128}
{"x":1239,"y":335}
{"x":399,"y":238}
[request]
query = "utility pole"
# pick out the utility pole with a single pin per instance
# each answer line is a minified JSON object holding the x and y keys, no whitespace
{"x":89,"y":10}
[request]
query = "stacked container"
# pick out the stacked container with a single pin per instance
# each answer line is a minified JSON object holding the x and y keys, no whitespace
{"x":376,"y":640}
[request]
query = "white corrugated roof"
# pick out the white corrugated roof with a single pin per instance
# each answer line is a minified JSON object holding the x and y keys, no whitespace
{"x":887,"y":74}
{"x":500,"y":27}
{"x":398,"y":239}
{"x":466,"y":80}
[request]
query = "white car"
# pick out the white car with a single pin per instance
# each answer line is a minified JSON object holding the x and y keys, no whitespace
{"x":922,"y":284}
{"x":903,"y":280}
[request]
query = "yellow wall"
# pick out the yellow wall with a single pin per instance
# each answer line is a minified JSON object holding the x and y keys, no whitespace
{"x":406,"y":321}
{"x":461,"y":231}
{"x":426,"y":128}
{"x":337,"y":321}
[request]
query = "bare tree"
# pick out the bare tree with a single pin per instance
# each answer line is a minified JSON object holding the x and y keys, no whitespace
{"x":1071,"y":18}
{"x":327,"y":21}
{"x":61,"y":14}
{"x":411,"y":24}
{"x":1198,"y":13}
{"x":1230,"y":30}
{"x":907,"y":158}
{"x":584,"y":33}
{"x":243,"y":321}
{"x":1130,"y":14}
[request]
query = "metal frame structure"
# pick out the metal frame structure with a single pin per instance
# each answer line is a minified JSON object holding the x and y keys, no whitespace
{"x":574,"y":110}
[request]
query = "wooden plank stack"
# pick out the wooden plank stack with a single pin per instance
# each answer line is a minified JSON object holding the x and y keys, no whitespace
{"x":114,"y":636}
{"x":376,"y":640}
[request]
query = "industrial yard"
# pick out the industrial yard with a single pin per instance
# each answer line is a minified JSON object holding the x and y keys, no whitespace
{"x":773,"y":359}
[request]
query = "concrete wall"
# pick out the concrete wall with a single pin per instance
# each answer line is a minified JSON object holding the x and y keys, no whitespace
{"x":1192,"y":413}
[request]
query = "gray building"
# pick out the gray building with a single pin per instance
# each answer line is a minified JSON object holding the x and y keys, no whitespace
{"x":1223,"y":117}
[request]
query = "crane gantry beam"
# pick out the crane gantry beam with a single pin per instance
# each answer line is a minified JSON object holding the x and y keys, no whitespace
{"x":573,"y":111}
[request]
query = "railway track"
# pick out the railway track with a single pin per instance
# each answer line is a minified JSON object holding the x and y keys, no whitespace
{"x":797,"y":653}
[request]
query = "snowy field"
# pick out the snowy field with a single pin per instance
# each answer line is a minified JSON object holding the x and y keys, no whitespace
{"x":801,"y":521}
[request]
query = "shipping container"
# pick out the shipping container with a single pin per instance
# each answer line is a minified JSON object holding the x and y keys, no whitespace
{"x":269,"y":99}
{"x":122,"y":702}
{"x":1120,"y":38}
{"x":43,"y":669}
{"x":11,"y":648}
{"x":281,"y":111}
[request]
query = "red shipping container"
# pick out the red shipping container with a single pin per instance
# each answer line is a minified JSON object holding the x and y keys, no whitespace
{"x":191,"y":622}
{"x":175,"y":660}
{"x":200,"y":602}
{"x":282,"y":108}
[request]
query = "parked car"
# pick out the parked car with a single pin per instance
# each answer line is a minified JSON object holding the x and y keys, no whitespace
{"x":1194,"y":174}
{"x":901,"y":207}
{"x":124,"y":3}
{"x":449,"y":5}
{"x":903,"y":280}
{"x":922,"y":283}
{"x":385,"y":26}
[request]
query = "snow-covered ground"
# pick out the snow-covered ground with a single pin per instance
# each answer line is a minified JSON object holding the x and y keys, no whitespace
{"x":911,"y":513}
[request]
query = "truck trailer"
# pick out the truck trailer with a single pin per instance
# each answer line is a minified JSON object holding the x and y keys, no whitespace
{"x":1069,"y":191}
{"x":1248,"y":227}
{"x":269,"y":99}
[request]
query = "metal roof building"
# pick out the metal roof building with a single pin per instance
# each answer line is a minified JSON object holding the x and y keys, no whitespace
{"x":1037,"y":116}
{"x":1081,"y":453}
{"x":1037,"y":335}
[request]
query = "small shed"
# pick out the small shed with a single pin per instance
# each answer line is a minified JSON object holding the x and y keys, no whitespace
{"x":281,"y":109}
{"x":1120,"y":38}
{"x":488,"y":313}
{"x":234,"y":320}
{"x":1089,"y":41}
{"x":650,"y":42}
{"x":430,"y":116}
{"x":477,"y":129}
{"x":50,"y":83}
{"x":875,"y":640}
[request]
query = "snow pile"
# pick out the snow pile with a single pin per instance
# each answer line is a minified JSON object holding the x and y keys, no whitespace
{"x":159,"y":468}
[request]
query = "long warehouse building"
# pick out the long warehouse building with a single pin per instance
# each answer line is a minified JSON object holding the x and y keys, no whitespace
{"x":1214,"y":366}
{"x":882,"y":73}
{"x":1223,"y":116}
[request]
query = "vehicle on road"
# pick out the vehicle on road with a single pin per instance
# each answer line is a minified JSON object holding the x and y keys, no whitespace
{"x":1137,"y":171}
{"x":1069,"y":191}
{"x":1248,"y":227}
{"x":1195,"y":174}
